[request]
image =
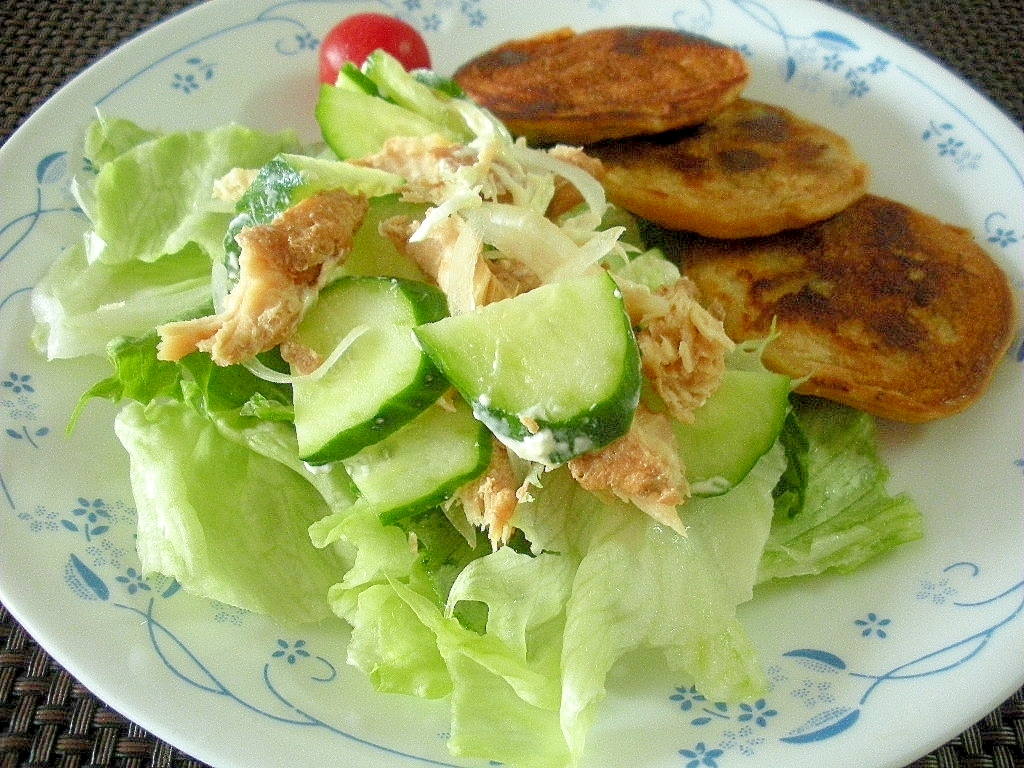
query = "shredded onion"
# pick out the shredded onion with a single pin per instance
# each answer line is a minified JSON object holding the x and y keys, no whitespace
{"x":470,"y":198}
{"x":265,"y":372}
{"x":219,"y":285}
{"x":588,"y":254}
{"x":459,"y":284}
{"x":536,"y":241}
{"x":589,"y":187}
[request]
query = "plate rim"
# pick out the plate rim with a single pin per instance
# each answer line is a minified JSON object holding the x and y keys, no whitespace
{"x":79,"y":82}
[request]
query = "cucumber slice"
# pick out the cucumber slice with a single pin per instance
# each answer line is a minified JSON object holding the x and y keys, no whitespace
{"x":419,"y":97}
{"x":373,"y":255}
{"x":382,"y":380}
{"x":553,"y":373}
{"x":365,"y":108}
{"x":355,"y":124}
{"x":738,"y":424}
{"x":423,"y":463}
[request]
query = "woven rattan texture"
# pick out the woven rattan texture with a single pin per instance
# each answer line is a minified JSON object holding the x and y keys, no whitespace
{"x":47,"y":718}
{"x":43,"y":44}
{"x":981,"y":40}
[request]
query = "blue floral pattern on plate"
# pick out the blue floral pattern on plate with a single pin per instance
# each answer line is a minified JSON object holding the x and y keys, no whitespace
{"x":808,"y":701}
{"x":818,"y":692}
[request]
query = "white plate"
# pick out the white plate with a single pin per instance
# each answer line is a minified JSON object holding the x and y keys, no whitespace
{"x":870,"y":670}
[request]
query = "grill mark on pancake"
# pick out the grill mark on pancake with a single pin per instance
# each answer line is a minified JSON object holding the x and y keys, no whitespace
{"x":686,"y":163}
{"x":604,"y":83}
{"x":742,"y":160}
{"x":753,"y":169}
{"x":538,"y":107}
{"x":883,"y":307}
{"x":629,"y":42}
{"x":768,"y":126}
{"x":899,"y":331}
{"x":893,"y":275}
{"x":637,"y":42}
{"x":496,"y":61}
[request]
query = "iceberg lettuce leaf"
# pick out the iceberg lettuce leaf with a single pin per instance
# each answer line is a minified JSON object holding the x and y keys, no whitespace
{"x":157,"y":232}
{"x":624,"y":583}
{"x":224,"y":515}
{"x":80,"y":307}
{"x":734,"y":527}
{"x":156,"y":197}
{"x":521,"y":592}
{"x":519,"y":723}
{"x":393,"y":647}
{"x":641,"y":585}
{"x":834,"y":514}
{"x":389,"y":643}
{"x":109,"y":137}
{"x":527,"y":736}
{"x":603,"y":580}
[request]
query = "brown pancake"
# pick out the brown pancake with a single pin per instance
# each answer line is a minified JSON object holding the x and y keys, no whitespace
{"x":754,"y":169}
{"x":605,"y":83}
{"x":882,"y":307}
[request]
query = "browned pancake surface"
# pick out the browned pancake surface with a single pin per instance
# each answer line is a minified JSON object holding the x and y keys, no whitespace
{"x":754,"y":169}
{"x":883,"y":307}
{"x":605,"y":83}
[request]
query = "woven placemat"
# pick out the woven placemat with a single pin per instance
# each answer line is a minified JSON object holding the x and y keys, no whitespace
{"x":47,"y":718}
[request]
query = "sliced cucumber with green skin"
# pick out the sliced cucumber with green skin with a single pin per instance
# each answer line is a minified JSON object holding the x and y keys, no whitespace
{"x":356,"y":124}
{"x":374,"y":255}
{"x":738,"y":424}
{"x":423,"y":463}
{"x":553,"y":373}
{"x":382,"y":381}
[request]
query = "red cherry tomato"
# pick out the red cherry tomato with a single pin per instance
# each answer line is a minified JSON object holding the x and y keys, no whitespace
{"x":358,"y":36}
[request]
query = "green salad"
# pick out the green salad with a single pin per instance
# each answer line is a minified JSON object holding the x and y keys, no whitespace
{"x":425,"y":379}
